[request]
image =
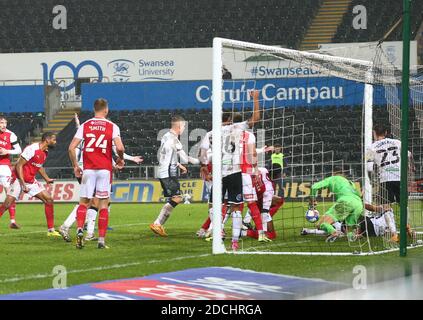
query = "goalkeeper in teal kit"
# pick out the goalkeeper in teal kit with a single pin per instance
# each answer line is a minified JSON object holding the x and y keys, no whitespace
{"x":348,"y":206}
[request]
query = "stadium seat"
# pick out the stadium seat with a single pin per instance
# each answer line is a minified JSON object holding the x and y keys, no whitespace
{"x":196,"y":23}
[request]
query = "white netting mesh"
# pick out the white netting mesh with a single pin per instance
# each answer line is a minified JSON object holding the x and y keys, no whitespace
{"x":312,"y":106}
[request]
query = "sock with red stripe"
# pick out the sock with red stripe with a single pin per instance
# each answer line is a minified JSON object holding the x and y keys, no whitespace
{"x":256,"y":215}
{"x":252,"y":234}
{"x":81,"y":215}
{"x":12,"y":212}
{"x":206,"y":224}
{"x":49,"y":211}
{"x":271,"y":235}
{"x":103,"y":221}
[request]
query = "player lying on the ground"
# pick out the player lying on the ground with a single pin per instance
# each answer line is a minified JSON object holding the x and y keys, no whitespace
{"x":9,"y":145}
{"x":348,"y":204}
{"x":268,"y":204}
{"x":93,"y":206}
{"x":170,"y":149}
{"x":29,"y":164}
{"x":277,"y":203}
{"x":380,"y":224}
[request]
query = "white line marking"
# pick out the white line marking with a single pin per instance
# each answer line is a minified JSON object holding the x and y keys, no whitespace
{"x":17,"y":233}
{"x":113,"y":266}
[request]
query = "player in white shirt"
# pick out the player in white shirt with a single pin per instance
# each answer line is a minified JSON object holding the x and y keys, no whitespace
{"x":385,"y":153}
{"x":171,"y":150}
{"x":93,"y":207}
{"x":205,"y":156}
{"x":9,"y":145}
{"x":231,"y":165}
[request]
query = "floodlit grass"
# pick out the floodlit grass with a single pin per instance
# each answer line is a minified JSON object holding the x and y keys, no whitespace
{"x":27,"y":256}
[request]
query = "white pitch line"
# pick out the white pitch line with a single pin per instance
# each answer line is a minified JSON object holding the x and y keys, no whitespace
{"x":17,"y":233}
{"x":114,"y":266}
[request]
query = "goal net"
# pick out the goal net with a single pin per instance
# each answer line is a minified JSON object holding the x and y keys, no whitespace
{"x":317,"y":111}
{"x":391,"y":92}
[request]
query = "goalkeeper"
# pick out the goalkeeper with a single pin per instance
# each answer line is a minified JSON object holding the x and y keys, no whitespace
{"x":348,"y":206}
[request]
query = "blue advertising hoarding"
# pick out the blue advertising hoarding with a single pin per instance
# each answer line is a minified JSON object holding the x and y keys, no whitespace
{"x":23,"y":98}
{"x":314,"y":91}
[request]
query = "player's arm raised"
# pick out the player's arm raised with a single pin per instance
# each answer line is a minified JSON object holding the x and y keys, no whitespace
{"x":77,"y":123}
{"x":256,"y":111}
{"x":72,"y":156}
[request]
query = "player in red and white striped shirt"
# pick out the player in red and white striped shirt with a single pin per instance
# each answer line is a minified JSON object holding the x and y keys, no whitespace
{"x":98,"y":134}
{"x":250,"y":176}
{"x":269,"y":204}
{"x":23,"y":178}
{"x":8,"y":145}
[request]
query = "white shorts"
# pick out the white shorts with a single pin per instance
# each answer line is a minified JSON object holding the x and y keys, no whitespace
{"x":34,"y":189}
{"x":5,"y":176}
{"x":98,"y":181}
{"x":248,"y":190}
{"x":267,"y":199}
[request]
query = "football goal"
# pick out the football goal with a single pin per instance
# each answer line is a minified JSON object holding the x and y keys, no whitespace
{"x":317,"y":112}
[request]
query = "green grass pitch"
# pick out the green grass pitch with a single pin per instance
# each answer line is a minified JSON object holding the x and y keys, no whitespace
{"x":27,"y":256}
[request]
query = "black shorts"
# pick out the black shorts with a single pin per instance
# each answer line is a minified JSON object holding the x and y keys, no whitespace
{"x":232,"y":185}
{"x":224,"y":197}
{"x":366,"y":226}
{"x":390,"y":190}
{"x":170,"y":186}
